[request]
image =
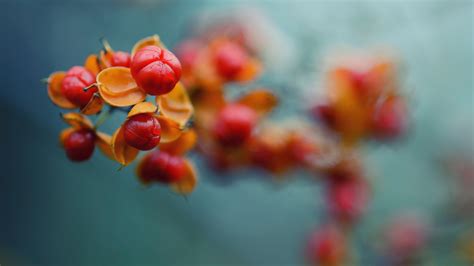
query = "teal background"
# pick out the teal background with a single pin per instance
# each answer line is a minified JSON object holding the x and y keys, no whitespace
{"x":54,"y":212}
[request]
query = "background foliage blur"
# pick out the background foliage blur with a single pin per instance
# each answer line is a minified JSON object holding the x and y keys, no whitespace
{"x":56,"y":212}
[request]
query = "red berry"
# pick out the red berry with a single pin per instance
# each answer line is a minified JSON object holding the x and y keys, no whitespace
{"x":327,"y":246}
{"x":234,"y":124}
{"x":79,"y":145}
{"x":406,"y":236}
{"x":155,"y":70}
{"x":120,"y":58}
{"x":390,"y":119}
{"x":159,"y":166}
{"x":230,"y":59}
{"x":142,"y":131}
{"x":348,"y":199}
{"x":76,"y":79}
{"x":188,"y":52}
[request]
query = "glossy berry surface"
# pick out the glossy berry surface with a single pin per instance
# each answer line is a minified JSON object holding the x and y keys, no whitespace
{"x":76,"y":79}
{"x":390,"y":120}
{"x":159,"y":166}
{"x":142,"y":131}
{"x":234,"y":124}
{"x":120,"y":58}
{"x":230,"y":59}
{"x":79,"y":145}
{"x":155,"y":70}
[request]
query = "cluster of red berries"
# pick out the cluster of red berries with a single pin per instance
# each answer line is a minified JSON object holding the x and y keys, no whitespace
{"x":120,"y":81}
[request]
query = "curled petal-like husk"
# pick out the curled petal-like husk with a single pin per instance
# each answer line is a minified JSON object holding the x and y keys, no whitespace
{"x":54,"y":91}
{"x":250,"y":71}
{"x":170,"y":130}
{"x":77,"y":121}
{"x":104,"y":142}
{"x":92,"y":64}
{"x":94,"y":106}
{"x":261,"y":100}
{"x":64,"y":134}
{"x":142,"y":108}
{"x":176,"y":105}
{"x":118,"y":88}
{"x":183,"y":144}
{"x":123,"y":153}
{"x":188,"y":182}
{"x":151,"y":40}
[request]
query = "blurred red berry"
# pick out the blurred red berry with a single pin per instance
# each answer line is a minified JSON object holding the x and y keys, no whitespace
{"x":159,"y":166}
{"x":120,"y":58}
{"x":327,"y":247}
{"x":80,"y":144}
{"x":230,"y":59}
{"x":142,"y":131}
{"x":76,"y":79}
{"x":406,"y":236}
{"x":155,"y":70}
{"x":348,"y":199}
{"x":390,"y":119}
{"x":234,"y":124}
{"x":187,"y":53}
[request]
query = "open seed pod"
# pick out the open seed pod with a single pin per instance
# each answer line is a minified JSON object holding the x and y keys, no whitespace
{"x":118,"y":88}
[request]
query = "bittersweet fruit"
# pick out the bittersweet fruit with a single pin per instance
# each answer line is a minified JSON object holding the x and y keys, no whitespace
{"x":80,"y":144}
{"x":159,"y":166}
{"x":155,"y":70}
{"x":73,"y":84}
{"x":230,"y":59}
{"x":142,"y":131}
{"x":120,"y":58}
{"x":234,"y":124}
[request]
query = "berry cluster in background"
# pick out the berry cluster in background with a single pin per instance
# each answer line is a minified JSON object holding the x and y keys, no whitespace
{"x":179,"y":102}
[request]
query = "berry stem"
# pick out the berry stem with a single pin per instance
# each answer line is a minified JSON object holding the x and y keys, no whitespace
{"x":103,"y":116}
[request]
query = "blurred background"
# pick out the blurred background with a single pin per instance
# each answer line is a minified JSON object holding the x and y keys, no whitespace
{"x":54,"y":212}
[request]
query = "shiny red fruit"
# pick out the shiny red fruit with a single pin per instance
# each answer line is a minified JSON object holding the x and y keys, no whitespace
{"x":120,"y":58}
{"x":155,"y":70}
{"x":390,"y":119}
{"x":142,"y":131}
{"x":234,"y":124}
{"x":327,"y":246}
{"x":230,"y":59}
{"x":80,"y":144}
{"x":348,"y":199}
{"x":76,"y":79}
{"x":159,"y":166}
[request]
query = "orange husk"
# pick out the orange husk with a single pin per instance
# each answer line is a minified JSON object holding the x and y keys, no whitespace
{"x":151,"y":40}
{"x":188,"y":182}
{"x":77,"y":120}
{"x":64,"y":134}
{"x":250,"y":71}
{"x":176,"y":105}
{"x":352,"y":115}
{"x":94,"y":106}
{"x":170,"y":130}
{"x":54,"y":91}
{"x":92,"y":64}
{"x":118,"y":88}
{"x":181,"y":145}
{"x":142,"y":108}
{"x":104,"y":142}
{"x":122,"y":152}
{"x":260,"y":100}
